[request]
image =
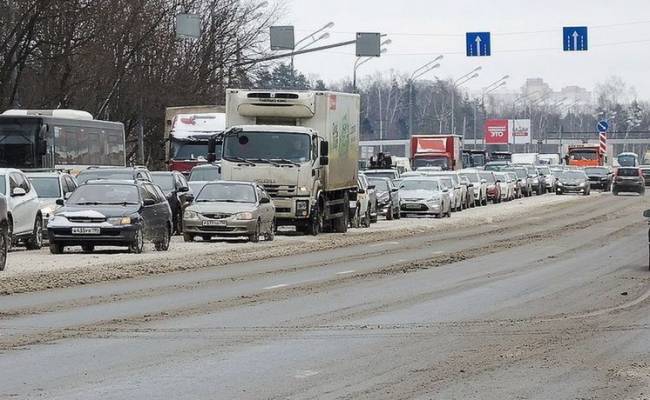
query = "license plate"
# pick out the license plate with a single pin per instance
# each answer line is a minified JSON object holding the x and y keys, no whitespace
{"x":412,"y":206}
{"x":286,"y":228}
{"x":86,"y":231}
{"x":214,"y":223}
{"x":353,"y":204}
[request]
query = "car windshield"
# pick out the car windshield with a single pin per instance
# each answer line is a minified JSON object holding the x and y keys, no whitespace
{"x":380,"y":174}
{"x":521,"y":172}
{"x":627,"y":160}
{"x":447,"y":182}
{"x":165,"y":181}
{"x":573,"y":175}
{"x":596,"y":171}
{"x":627,"y":172}
{"x":489,"y":177}
{"x":95,"y":194}
{"x":380,"y":184}
{"x":47,"y":187}
{"x":532,"y":171}
{"x":473,"y":177}
{"x":227,"y":192}
{"x":544,"y":170}
{"x":275,"y":146}
{"x":420,"y":184}
{"x":112,"y":174}
{"x":205,"y":174}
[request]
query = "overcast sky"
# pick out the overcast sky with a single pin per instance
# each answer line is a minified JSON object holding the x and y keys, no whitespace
{"x":526,"y":38}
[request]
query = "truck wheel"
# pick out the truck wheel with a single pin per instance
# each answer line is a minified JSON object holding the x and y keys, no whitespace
{"x":340,"y":224}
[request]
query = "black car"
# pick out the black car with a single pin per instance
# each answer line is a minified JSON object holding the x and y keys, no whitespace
{"x":112,"y":213}
{"x":4,"y":232}
{"x":628,"y":179}
{"x":114,"y":173}
{"x":600,"y":177}
{"x":177,"y":192}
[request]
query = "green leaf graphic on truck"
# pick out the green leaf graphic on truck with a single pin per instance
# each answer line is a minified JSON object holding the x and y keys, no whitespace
{"x":343,"y":134}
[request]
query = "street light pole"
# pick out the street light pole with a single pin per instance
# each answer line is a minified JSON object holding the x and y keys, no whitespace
{"x":501,"y":82}
{"x":431,"y":65}
{"x":362,"y":60}
{"x":457,"y":83}
{"x":314,"y":40}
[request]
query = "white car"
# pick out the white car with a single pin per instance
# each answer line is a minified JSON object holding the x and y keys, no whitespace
{"x":23,"y":209}
{"x":480,"y":187}
{"x":460,"y":190}
{"x":360,"y":208}
{"x":454,"y":192}
{"x":507,"y":184}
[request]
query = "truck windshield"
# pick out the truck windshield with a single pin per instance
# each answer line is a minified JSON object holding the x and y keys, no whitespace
{"x":478,"y":160}
{"x":18,"y":139}
{"x":274,"y":146}
{"x":583,"y":155}
{"x":432,"y":161}
{"x":190,"y":150}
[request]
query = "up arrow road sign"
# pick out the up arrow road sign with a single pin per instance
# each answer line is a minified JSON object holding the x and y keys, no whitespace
{"x":478,"y":44}
{"x":575,"y":38}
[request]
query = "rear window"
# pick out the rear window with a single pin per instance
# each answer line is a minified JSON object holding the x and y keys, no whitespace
{"x":627,"y":172}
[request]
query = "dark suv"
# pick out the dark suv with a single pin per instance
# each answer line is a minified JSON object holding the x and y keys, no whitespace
{"x":628,"y":179}
{"x":114,"y":173}
{"x":600,"y":177}
{"x":112,"y":213}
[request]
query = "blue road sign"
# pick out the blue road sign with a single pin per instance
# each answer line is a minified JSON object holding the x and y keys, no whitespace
{"x":575,"y":38}
{"x":478,"y":44}
{"x":602,"y":126}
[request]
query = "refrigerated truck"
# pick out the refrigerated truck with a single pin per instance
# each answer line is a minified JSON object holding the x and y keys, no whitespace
{"x":301,"y":146}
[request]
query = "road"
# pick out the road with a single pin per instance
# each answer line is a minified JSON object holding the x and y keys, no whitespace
{"x":554,"y":304}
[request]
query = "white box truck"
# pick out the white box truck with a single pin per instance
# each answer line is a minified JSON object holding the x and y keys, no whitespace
{"x":302,"y":147}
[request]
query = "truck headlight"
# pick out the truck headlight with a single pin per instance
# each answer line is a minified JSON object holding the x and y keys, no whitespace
{"x":190,"y":215}
{"x":303,"y":189}
{"x":120,"y":221}
{"x":245,"y":216}
{"x":302,"y":208}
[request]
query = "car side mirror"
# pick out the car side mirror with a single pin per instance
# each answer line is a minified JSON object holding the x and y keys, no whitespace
{"x":498,"y":180}
{"x":361,"y":191}
{"x":646,"y":213}
{"x":60,"y":202}
{"x":324,"y":160}
{"x":483,"y":181}
{"x":149,"y":202}
{"x":470,"y":185}
{"x":183,"y":189}
{"x":394,"y":190}
{"x":189,"y":197}
{"x":265,"y":200}
{"x":18,"y":192}
{"x":445,"y":190}
{"x":371,"y":186}
{"x":67,"y":195}
{"x":324,"y":149}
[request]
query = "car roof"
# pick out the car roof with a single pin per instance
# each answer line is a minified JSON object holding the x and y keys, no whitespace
{"x":8,"y":170}
{"x":379,"y":170}
{"x":206,"y":166}
{"x":114,"y":182}
{"x":233,"y":182}
{"x":43,"y":174}
{"x":108,"y":169}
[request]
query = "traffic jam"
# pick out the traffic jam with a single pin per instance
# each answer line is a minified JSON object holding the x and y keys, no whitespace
{"x":233,"y":178}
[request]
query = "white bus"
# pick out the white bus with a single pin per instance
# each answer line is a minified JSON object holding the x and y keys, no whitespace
{"x":60,"y":139}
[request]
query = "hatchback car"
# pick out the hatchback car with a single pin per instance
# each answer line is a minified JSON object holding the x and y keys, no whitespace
{"x":628,"y":179}
{"x":112,"y":213}
{"x":424,"y":196}
{"x":23,"y":209}
{"x":114,"y":173}
{"x":387,"y":196}
{"x":573,"y":181}
{"x":177,"y":192}
{"x":50,"y":187}
{"x":230,"y":209}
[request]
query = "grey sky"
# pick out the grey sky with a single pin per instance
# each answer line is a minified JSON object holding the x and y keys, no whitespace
{"x":422,"y":29}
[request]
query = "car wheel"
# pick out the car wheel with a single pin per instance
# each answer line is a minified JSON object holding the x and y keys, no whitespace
{"x":366,"y":219}
{"x":137,"y":245}
{"x":255,"y":236}
{"x":615,"y":192}
{"x":4,"y":247}
{"x":356,"y":220}
{"x":398,"y":214}
{"x":35,"y":240}
{"x":178,"y":222}
{"x":389,"y":213}
{"x":88,"y":248}
{"x":10,"y":233}
{"x":270,"y":235}
{"x":188,"y":237}
{"x":56,"y":248}
{"x":163,"y":243}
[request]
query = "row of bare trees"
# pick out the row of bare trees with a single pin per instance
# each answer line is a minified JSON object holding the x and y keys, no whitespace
{"x":121,"y":60}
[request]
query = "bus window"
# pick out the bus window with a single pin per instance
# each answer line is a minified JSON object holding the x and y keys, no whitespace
{"x":18,"y":143}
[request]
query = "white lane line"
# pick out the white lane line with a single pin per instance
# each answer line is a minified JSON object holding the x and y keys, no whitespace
{"x":276,"y":286}
{"x":305,"y":374}
{"x":438,"y":252}
{"x":383,"y":244}
{"x":346,"y":272}
{"x":401,"y":260}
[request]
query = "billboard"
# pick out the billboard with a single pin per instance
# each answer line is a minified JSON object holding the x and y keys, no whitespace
{"x":520,"y":131}
{"x":496,"y":131}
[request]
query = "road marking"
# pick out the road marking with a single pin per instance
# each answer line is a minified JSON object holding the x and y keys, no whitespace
{"x":276,"y":286}
{"x":346,"y":272}
{"x":305,"y":374}
{"x":401,"y":260}
{"x":438,"y":252}
{"x":382,"y":244}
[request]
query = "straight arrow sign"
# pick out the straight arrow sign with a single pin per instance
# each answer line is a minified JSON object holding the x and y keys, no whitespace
{"x":478,"y":44}
{"x":575,"y":38}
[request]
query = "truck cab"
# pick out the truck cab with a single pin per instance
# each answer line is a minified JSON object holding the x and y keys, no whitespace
{"x":585,"y":156}
{"x":442,"y":151}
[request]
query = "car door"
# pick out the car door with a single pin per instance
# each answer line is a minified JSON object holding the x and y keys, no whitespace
{"x":163,"y":213}
{"x":149,"y":211}
{"x":265,"y":209}
{"x":21,"y":206}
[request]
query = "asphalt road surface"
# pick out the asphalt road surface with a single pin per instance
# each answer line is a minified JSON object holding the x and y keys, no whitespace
{"x":551,"y":305}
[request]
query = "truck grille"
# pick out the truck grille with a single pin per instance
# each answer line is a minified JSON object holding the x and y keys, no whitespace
{"x":280,"y":190}
{"x":267,"y":95}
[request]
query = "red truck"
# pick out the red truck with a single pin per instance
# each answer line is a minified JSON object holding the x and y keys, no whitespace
{"x":586,"y":156}
{"x":442,"y":151}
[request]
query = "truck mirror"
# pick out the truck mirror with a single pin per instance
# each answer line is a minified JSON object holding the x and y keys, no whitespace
{"x":646,"y":213}
{"x":324,"y":160}
{"x":324,"y":149}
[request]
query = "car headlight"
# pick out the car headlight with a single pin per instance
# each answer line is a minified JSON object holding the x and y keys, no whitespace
{"x":245,"y":216}
{"x":434,"y":199}
{"x":191,"y":215}
{"x":536,"y":181}
{"x":46,"y":211}
{"x":56,"y":219}
{"x":120,"y":221}
{"x":560,"y":184}
{"x":582,"y":184}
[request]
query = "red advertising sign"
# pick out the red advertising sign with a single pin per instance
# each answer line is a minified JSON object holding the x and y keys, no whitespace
{"x":496,"y":131}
